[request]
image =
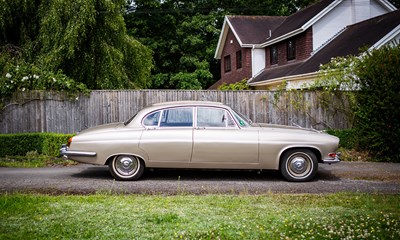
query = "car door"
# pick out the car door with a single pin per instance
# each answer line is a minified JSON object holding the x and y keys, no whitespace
{"x":219,"y":142}
{"x":167,"y":139}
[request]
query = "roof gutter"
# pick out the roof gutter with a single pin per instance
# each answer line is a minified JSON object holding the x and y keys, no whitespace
{"x":308,"y":24}
{"x":281,"y":79}
{"x":386,"y":39}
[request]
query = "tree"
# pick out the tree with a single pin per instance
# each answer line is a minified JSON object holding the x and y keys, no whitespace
{"x":86,"y":40}
{"x":89,"y":42}
{"x":183,"y":35}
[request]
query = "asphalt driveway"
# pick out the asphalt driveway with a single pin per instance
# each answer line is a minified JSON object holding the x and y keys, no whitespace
{"x":86,"y":179}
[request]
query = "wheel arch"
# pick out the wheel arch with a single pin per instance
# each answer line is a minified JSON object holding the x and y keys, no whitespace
{"x":315,"y":150}
{"x":125,"y":154}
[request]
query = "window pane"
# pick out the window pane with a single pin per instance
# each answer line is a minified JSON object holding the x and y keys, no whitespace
{"x":291,"y":50}
{"x":177,"y":117}
{"x":273,"y":55}
{"x":152,"y":119}
{"x":227,"y":63}
{"x":214,"y":117}
{"x":238,"y":59}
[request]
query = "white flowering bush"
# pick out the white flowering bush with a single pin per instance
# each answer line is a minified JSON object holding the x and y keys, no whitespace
{"x":24,"y":76}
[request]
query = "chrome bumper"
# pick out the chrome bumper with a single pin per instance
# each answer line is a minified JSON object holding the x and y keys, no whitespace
{"x":65,"y":153}
{"x":336,"y":159}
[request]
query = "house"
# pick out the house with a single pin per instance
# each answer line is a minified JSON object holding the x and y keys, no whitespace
{"x":270,"y":51}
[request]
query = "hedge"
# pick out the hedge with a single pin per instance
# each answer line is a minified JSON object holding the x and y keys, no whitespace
{"x":21,"y":143}
{"x":348,"y":137}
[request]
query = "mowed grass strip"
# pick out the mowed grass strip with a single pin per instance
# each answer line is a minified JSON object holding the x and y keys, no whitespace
{"x":272,"y":216}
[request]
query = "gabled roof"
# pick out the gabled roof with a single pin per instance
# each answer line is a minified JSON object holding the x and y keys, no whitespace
{"x":364,"y":34}
{"x":254,"y":29}
{"x":303,"y":18}
{"x":281,"y":27}
{"x":248,"y":30}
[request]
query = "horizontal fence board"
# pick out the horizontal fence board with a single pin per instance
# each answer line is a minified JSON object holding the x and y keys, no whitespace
{"x":38,"y":111}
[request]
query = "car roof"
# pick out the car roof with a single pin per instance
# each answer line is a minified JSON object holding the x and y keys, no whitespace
{"x":186,"y":103}
{"x":159,"y":106}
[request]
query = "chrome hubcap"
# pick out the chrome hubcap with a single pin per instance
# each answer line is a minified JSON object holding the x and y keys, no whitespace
{"x":126,"y":165}
{"x":299,"y":165}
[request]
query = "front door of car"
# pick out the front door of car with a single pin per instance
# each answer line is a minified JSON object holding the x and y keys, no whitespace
{"x":167,"y":139}
{"x":219,"y":142}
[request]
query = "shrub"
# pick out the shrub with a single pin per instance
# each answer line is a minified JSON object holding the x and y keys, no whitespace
{"x":22,"y":143}
{"x":348,"y":137}
{"x":378,"y":113}
{"x":370,"y":82}
{"x":242,"y":85}
{"x":23,"y":77}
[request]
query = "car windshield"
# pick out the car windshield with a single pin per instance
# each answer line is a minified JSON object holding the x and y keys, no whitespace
{"x":242,"y":120}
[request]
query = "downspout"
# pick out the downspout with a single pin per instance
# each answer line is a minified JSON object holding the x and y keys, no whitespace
{"x":252,"y":60}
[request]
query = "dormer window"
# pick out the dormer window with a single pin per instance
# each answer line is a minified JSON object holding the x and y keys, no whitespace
{"x":273,"y":55}
{"x":291,"y":49}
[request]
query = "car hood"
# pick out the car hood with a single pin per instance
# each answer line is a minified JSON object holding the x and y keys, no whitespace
{"x":283,"y":128}
{"x":295,"y":133}
{"x":102,"y":128}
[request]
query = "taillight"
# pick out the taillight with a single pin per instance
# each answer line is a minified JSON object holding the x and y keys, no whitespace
{"x":332,"y":155}
{"x":69,"y":141}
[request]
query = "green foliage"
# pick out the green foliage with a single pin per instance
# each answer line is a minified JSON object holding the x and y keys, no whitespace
{"x":34,"y":160}
{"x":89,"y":42}
{"x":337,"y":86}
{"x":85,"y":40}
{"x":242,"y":85}
{"x":378,"y":112}
{"x":18,"y":75}
{"x":184,"y":34}
{"x":348,"y":137}
{"x":42,"y":143}
{"x":18,"y":22}
{"x":370,"y":83}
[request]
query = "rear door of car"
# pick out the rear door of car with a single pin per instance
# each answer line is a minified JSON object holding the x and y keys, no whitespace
{"x":167,"y":139}
{"x":219,"y":143}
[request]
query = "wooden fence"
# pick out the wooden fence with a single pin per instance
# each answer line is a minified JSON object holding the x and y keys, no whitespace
{"x":52,"y":112}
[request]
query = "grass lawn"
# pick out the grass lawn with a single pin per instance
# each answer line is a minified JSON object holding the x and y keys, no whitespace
{"x":33,"y":160}
{"x":271,"y":216}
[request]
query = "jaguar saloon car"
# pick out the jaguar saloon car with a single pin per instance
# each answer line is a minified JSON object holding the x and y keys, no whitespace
{"x":201,"y":135}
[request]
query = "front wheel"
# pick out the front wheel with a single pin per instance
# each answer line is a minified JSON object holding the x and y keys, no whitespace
{"x":299,"y":165}
{"x":126,"y":168}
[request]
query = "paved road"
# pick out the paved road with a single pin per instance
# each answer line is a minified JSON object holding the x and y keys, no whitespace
{"x":85,"y":179}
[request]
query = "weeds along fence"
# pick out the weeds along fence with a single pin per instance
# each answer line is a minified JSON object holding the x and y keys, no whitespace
{"x":39,"y":111}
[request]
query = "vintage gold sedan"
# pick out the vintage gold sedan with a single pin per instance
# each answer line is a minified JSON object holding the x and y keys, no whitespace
{"x":206,"y":135}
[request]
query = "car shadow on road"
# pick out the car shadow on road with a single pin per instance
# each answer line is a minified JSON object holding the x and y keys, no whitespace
{"x":94,"y":172}
{"x":102,"y":173}
{"x":326,"y":175}
{"x":211,"y":175}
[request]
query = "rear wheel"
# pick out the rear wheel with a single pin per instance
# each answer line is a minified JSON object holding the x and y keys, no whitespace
{"x":299,"y":165}
{"x":126,"y":167}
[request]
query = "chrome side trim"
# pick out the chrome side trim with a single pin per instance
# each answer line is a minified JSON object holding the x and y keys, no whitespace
{"x":65,"y":152}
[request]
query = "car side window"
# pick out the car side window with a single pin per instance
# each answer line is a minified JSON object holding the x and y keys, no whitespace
{"x":177,"y":117}
{"x":152,"y":119}
{"x":214,"y":117}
